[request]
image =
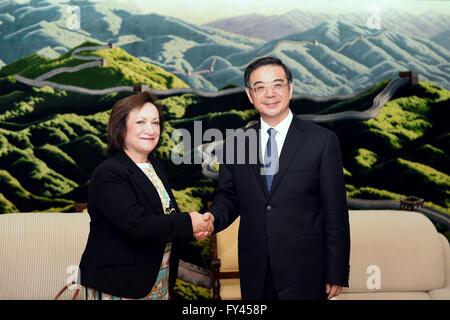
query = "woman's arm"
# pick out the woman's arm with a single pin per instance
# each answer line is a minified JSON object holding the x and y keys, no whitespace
{"x":112,"y":196}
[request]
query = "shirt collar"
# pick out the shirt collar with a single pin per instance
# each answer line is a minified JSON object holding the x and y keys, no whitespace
{"x":281,"y":128}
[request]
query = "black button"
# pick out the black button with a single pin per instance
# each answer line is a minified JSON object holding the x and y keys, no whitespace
{"x":269,"y":208}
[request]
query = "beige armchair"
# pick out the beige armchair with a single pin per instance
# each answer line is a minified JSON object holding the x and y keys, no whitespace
{"x":39,"y":253}
{"x":224,"y":264}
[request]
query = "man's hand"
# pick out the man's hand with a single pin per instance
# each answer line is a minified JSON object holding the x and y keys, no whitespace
{"x":333,"y":290}
{"x":202,"y":224}
{"x":209,"y":218}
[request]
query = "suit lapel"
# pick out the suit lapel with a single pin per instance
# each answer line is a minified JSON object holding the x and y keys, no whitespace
{"x":144,"y":183}
{"x":292,"y":143}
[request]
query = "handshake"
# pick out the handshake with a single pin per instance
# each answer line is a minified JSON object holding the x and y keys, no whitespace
{"x":202,"y":224}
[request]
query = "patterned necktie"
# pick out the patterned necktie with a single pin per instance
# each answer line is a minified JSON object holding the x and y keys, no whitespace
{"x":271,"y":158}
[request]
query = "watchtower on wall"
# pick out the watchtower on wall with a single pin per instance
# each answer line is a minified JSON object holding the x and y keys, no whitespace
{"x":140,"y":87}
{"x":413,"y":76}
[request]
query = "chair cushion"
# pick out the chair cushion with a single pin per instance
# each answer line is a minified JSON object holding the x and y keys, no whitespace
{"x":384,"y":296}
{"x":446,"y":252}
{"x":230,"y":289}
{"x":440,"y":294}
{"x":227,"y":246}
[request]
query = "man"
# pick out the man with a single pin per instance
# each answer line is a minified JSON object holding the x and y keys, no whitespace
{"x":294,"y":240}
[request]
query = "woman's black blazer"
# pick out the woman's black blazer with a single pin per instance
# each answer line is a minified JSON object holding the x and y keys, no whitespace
{"x":128,"y":230}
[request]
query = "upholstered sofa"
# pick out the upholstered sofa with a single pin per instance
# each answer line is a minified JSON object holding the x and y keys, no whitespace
{"x":395,"y":255}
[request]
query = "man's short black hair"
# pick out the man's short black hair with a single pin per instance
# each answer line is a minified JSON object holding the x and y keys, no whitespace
{"x":263,"y":62}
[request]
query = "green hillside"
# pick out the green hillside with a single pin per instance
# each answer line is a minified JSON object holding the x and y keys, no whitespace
{"x":363,"y":101}
{"x":404,"y":151}
{"x":122,"y":70}
{"x":31,"y":62}
{"x":45,"y":134}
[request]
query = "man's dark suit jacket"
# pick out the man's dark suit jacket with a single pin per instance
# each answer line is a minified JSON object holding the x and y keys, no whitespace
{"x":301,"y":226}
{"x":128,"y":230}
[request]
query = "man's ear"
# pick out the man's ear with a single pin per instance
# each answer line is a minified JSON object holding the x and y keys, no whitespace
{"x":247,"y":90}
{"x":291,"y":90}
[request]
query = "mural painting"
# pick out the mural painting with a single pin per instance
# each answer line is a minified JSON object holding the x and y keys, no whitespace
{"x":376,"y":73}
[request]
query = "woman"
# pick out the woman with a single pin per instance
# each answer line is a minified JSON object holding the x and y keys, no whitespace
{"x":134,"y":216}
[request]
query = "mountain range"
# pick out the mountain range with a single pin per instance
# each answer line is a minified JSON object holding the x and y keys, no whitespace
{"x":332,"y":57}
{"x":45,"y":134}
{"x":426,"y":25}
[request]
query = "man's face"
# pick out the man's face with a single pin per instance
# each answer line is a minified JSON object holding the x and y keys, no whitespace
{"x":270,"y":93}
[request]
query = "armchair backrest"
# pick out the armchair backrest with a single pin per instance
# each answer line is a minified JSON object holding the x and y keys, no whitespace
{"x":39,"y":252}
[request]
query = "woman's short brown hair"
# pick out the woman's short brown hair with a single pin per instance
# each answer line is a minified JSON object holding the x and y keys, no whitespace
{"x":117,"y":125}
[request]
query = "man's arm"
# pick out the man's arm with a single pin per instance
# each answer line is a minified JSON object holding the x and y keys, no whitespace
{"x":334,"y":204}
{"x":225,"y":207}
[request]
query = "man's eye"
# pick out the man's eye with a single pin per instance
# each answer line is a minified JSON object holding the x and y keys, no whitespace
{"x":140,"y":122}
{"x":259,"y":88}
{"x":155,"y":123}
{"x":278,"y":85}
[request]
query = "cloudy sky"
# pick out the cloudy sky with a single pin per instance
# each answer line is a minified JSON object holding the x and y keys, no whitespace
{"x":203,"y":11}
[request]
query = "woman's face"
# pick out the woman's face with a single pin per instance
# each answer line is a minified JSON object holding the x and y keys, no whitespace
{"x":142,"y":132}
